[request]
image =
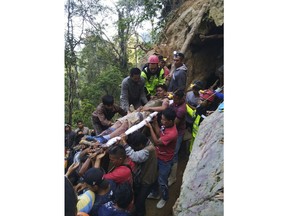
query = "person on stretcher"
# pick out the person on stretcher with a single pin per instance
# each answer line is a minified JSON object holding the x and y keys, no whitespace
{"x":158,"y":104}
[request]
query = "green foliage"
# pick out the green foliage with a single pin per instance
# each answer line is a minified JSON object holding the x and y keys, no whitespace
{"x":107,"y":82}
{"x":151,"y":8}
{"x":90,"y":95}
{"x":95,"y":56}
{"x":84,"y":113}
{"x":99,"y":67}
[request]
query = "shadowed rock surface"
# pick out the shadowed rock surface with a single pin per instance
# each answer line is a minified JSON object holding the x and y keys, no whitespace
{"x":196,"y":29}
{"x":202,"y":187}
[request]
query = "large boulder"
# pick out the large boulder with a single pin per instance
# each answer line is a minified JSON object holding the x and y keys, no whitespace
{"x":196,"y":29}
{"x":202,"y":188}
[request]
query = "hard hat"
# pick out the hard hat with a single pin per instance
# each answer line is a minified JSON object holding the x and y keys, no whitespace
{"x":153,"y":59}
{"x":207,"y":95}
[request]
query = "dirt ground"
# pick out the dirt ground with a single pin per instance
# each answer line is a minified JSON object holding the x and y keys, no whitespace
{"x":174,"y":190}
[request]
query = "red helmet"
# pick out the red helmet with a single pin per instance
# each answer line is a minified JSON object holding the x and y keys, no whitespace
{"x":208,"y":95}
{"x":153,"y":59}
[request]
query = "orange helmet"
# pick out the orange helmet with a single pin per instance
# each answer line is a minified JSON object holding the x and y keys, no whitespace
{"x":207,"y":95}
{"x":153,"y":59}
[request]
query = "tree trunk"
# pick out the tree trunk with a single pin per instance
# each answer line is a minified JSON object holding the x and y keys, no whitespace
{"x":192,"y":32}
{"x":123,"y":35}
{"x":71,"y":61}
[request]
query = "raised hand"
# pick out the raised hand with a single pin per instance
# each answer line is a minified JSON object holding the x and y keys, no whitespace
{"x":101,"y":155}
{"x":72,"y":168}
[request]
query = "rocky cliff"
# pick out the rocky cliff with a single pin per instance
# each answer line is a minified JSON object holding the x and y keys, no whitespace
{"x":196,"y":29}
{"x":202,"y":190}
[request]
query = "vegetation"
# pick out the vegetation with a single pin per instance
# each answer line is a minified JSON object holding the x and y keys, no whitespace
{"x":96,"y":62}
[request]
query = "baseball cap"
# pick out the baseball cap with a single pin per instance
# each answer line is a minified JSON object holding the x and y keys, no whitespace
{"x":94,"y":176}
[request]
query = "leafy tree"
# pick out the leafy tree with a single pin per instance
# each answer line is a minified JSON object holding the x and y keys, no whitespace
{"x":84,"y":113}
{"x":77,"y":12}
{"x":108,"y":82}
{"x":71,"y":67}
{"x":90,"y":94}
{"x":95,"y":56}
{"x":95,"y":63}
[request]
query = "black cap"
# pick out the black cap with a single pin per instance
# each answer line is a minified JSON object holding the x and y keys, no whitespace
{"x":94,"y":176}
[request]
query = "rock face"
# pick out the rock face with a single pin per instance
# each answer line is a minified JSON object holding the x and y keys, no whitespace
{"x":196,"y":29}
{"x":202,"y":188}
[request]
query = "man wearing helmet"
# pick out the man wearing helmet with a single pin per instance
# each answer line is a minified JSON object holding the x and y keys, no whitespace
{"x":153,"y":75}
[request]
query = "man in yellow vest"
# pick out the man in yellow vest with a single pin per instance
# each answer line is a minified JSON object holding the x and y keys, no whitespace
{"x":153,"y":75}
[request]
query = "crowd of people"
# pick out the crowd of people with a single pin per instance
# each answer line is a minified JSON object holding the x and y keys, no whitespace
{"x":117,"y":179}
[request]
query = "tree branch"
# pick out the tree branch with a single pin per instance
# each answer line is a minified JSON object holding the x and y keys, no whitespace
{"x":141,"y":47}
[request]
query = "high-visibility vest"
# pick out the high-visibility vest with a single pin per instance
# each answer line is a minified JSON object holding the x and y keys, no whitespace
{"x":196,"y":121}
{"x":153,"y":81}
{"x":190,"y":111}
{"x":196,"y":125}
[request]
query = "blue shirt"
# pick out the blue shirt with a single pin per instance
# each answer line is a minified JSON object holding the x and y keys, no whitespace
{"x":102,"y":199}
{"x":108,"y":209}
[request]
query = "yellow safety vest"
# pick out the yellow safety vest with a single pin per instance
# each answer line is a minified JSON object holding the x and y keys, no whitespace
{"x":195,"y":126}
{"x":196,"y":121}
{"x":153,"y":81}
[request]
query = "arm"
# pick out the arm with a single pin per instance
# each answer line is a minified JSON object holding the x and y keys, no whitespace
{"x":119,"y":110}
{"x":136,"y":156}
{"x":94,"y":114}
{"x":98,"y":159}
{"x":84,"y":152}
{"x":71,"y":169}
{"x":102,"y":118}
{"x":155,"y":132}
{"x":182,"y":80}
{"x":85,"y":167}
{"x":165,"y":104}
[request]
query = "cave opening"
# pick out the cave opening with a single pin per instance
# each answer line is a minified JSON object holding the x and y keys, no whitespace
{"x":207,"y":50}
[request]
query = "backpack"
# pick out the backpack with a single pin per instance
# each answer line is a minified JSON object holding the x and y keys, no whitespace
{"x":136,"y":176}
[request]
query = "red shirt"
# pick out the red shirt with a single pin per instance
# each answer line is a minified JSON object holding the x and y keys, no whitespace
{"x":121,"y":174}
{"x":168,"y":137}
{"x":181,"y":112}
